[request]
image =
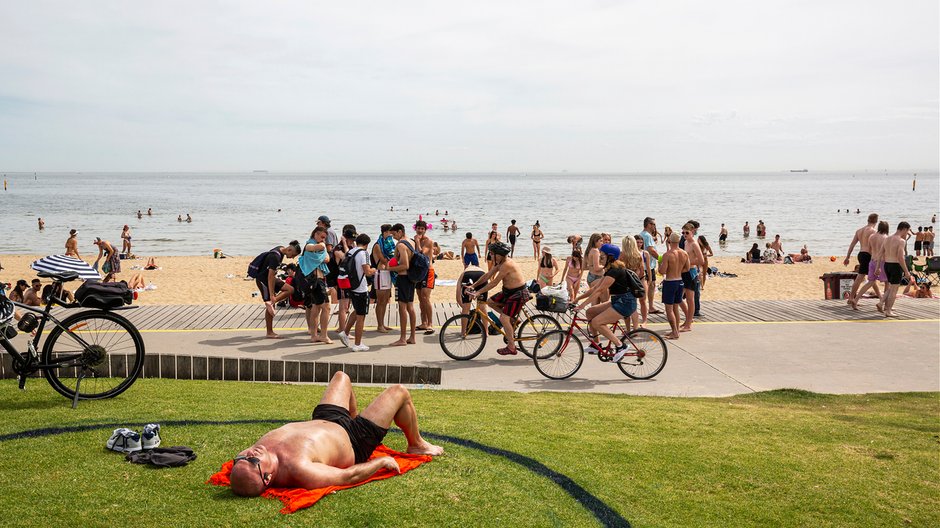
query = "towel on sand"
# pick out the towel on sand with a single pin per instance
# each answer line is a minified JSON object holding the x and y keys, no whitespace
{"x":299,"y":498}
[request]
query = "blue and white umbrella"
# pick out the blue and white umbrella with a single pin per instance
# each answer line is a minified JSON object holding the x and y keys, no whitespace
{"x":60,"y":263}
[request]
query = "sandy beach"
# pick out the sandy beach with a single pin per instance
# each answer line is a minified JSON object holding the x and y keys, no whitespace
{"x":205,"y":280}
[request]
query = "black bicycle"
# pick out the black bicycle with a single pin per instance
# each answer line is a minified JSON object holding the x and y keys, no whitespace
{"x":89,"y":355}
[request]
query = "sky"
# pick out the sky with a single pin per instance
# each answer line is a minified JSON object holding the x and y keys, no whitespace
{"x":540,"y":86}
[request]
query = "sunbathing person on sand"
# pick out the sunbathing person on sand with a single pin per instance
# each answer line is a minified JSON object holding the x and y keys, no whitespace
{"x":333,"y":448}
{"x":803,"y":256}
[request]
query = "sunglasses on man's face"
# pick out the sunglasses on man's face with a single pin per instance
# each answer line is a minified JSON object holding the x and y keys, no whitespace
{"x":257,"y":462}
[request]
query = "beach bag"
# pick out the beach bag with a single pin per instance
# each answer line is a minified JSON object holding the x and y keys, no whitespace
{"x":548,"y":303}
{"x":558,"y":291}
{"x":349,"y":278}
{"x":104,"y":295}
{"x":254,"y":269}
{"x":635,"y":285}
{"x":419,"y":266}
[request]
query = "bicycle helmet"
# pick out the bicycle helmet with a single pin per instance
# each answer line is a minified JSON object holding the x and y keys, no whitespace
{"x":500,"y":248}
{"x":611,"y":251}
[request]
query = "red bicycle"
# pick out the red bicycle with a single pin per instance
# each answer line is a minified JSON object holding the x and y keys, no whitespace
{"x":559,"y":354}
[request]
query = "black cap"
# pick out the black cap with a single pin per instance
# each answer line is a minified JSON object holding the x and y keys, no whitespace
{"x":325,"y":219}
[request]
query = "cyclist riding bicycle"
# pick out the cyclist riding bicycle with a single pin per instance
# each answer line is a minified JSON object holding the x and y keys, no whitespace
{"x":513,"y":296}
{"x":622,"y":302}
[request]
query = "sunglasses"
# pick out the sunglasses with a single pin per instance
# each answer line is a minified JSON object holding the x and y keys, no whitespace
{"x":257,"y":462}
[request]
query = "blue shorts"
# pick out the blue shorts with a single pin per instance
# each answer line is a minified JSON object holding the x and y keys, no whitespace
{"x":624,"y":304}
{"x":470,"y":258}
{"x":672,"y":292}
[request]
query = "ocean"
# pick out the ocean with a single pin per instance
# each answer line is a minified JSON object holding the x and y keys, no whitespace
{"x":238,"y":212}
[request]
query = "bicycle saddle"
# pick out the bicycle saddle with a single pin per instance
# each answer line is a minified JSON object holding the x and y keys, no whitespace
{"x":61,"y":276}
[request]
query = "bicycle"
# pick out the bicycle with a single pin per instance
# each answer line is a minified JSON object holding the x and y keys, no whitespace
{"x":463,"y":336}
{"x":94,"y":348}
{"x":559,"y":354}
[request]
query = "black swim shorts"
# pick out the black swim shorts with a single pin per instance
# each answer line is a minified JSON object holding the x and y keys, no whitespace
{"x":364,"y":435}
{"x":263,"y":288}
{"x":864,"y":259}
{"x":894,"y":272}
{"x":405,"y":289}
{"x":687,"y":281}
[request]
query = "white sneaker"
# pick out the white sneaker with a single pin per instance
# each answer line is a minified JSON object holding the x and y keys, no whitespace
{"x":360,"y":348}
{"x":151,"y":436}
{"x":124,"y":440}
{"x":344,"y":338}
{"x":621,"y":351}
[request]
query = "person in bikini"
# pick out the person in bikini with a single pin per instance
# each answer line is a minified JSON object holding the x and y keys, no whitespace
{"x":674,"y":265}
{"x":536,"y":237}
{"x":513,"y":296}
{"x":896,"y":265}
{"x":71,"y":245}
{"x":548,"y":268}
{"x":861,"y":237}
{"x":512,"y":232}
{"x":469,"y":251}
{"x":333,"y":448}
{"x":574,"y":266}
{"x":491,"y":239}
{"x":593,"y":261}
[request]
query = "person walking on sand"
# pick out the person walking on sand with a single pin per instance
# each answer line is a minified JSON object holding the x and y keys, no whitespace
{"x":722,"y":235}
{"x":424,"y":244}
{"x":404,"y":254}
{"x":313,"y":270}
{"x":537,"y":237}
{"x":861,"y":237}
{"x":273,"y":290}
{"x":382,"y":251}
{"x":512,"y":232}
{"x":876,"y":270}
{"x":747,"y":230}
{"x":469,"y":251}
{"x":513,"y":296}
{"x":649,"y":244}
{"x":674,"y":265}
{"x":895,"y":265}
{"x":126,"y":238}
{"x":71,"y":245}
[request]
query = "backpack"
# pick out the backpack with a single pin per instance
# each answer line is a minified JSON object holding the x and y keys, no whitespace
{"x":636,"y":287}
{"x":349,"y":277}
{"x":104,"y":295}
{"x":419,"y":265}
{"x":254,"y":269}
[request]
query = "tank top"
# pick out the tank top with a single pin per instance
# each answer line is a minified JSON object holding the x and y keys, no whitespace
{"x":469,"y":277}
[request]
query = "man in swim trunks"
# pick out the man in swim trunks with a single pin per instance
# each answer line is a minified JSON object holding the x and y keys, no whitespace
{"x":470,"y":251}
{"x":510,"y":300}
{"x":918,"y":240}
{"x":512,"y":232}
{"x":895,"y":264}
{"x":333,"y":448}
{"x":690,"y":278}
{"x":777,"y":246}
{"x":861,"y":237}
{"x":424,"y":244}
{"x":723,"y":234}
{"x":404,"y":286}
{"x":674,"y":265}
{"x":273,"y":290}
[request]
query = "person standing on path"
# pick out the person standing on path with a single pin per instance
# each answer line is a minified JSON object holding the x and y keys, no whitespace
{"x":691,"y":278}
{"x":313,"y":269}
{"x":400,"y":263}
{"x":382,"y":251}
{"x":861,"y":237}
{"x":273,"y":290}
{"x":359,"y":296}
{"x":895,"y":265}
{"x":424,"y":244}
{"x":674,"y":265}
{"x":649,"y":244}
{"x":512,"y":233}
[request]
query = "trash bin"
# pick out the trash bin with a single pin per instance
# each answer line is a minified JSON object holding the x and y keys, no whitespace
{"x":838,"y":285}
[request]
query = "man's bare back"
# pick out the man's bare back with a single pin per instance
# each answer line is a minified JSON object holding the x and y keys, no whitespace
{"x":470,"y":246}
{"x":675,"y":263}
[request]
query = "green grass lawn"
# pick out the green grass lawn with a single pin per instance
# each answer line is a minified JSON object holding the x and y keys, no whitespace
{"x":784,"y":458}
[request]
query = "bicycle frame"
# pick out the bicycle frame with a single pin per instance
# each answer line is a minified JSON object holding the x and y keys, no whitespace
{"x":483,"y":316}
{"x":45,"y":314}
{"x":605,"y":350}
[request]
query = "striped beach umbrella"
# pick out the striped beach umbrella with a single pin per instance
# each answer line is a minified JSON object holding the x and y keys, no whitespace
{"x":60,"y":263}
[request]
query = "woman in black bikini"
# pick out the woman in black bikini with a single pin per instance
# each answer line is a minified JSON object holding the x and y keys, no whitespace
{"x":536,"y":237}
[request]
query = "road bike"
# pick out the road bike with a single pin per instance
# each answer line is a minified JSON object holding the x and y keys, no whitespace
{"x":89,"y":355}
{"x":559,"y":353}
{"x":463,"y":336}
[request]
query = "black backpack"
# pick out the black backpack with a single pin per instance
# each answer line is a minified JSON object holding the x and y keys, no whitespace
{"x":636,"y":286}
{"x":419,"y":265}
{"x":349,"y":277}
{"x":104,"y":295}
{"x":254,"y":269}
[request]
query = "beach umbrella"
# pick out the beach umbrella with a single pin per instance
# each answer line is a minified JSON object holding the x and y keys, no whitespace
{"x":60,"y":263}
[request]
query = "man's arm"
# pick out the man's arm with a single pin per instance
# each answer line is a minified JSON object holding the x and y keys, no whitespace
{"x":272,"y":276}
{"x":851,"y":249}
{"x":900,"y":256}
{"x":463,"y":250}
{"x":403,"y":258}
{"x":314,"y":475}
{"x":664,"y":267}
{"x":650,"y":247}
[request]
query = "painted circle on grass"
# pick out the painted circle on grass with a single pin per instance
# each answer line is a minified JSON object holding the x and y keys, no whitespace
{"x":601,"y":511}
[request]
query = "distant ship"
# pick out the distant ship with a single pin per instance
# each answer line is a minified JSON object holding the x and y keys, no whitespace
{"x":259,"y":171}
{"x":799,"y":170}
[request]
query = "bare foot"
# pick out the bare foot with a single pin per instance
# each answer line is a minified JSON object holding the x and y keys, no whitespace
{"x":425,"y":448}
{"x":854,"y":304}
{"x":890,"y":314}
{"x":326,"y":340}
{"x":399,"y":343}
{"x":671,"y":336}
{"x":411,"y":341}
{"x":273,"y":336}
{"x":685,"y":328}
{"x":269,"y":307}
{"x":880,"y":307}
{"x":383,"y":330}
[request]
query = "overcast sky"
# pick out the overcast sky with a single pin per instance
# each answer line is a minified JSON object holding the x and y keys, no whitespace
{"x":474,"y":86}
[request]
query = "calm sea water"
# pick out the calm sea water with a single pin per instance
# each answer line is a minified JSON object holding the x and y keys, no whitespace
{"x":237,"y":212}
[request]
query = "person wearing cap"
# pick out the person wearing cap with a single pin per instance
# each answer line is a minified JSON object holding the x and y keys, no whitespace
{"x":71,"y":245}
{"x":513,"y":296}
{"x":112,"y":259}
{"x":615,"y":283}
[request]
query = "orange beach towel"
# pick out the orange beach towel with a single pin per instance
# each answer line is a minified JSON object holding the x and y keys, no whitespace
{"x":299,"y":498}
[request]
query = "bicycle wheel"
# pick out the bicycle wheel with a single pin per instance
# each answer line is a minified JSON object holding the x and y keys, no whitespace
{"x":533,"y":327}
{"x":647,"y":355}
{"x":108,"y":365}
{"x":462,"y":337}
{"x":558,"y":356}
